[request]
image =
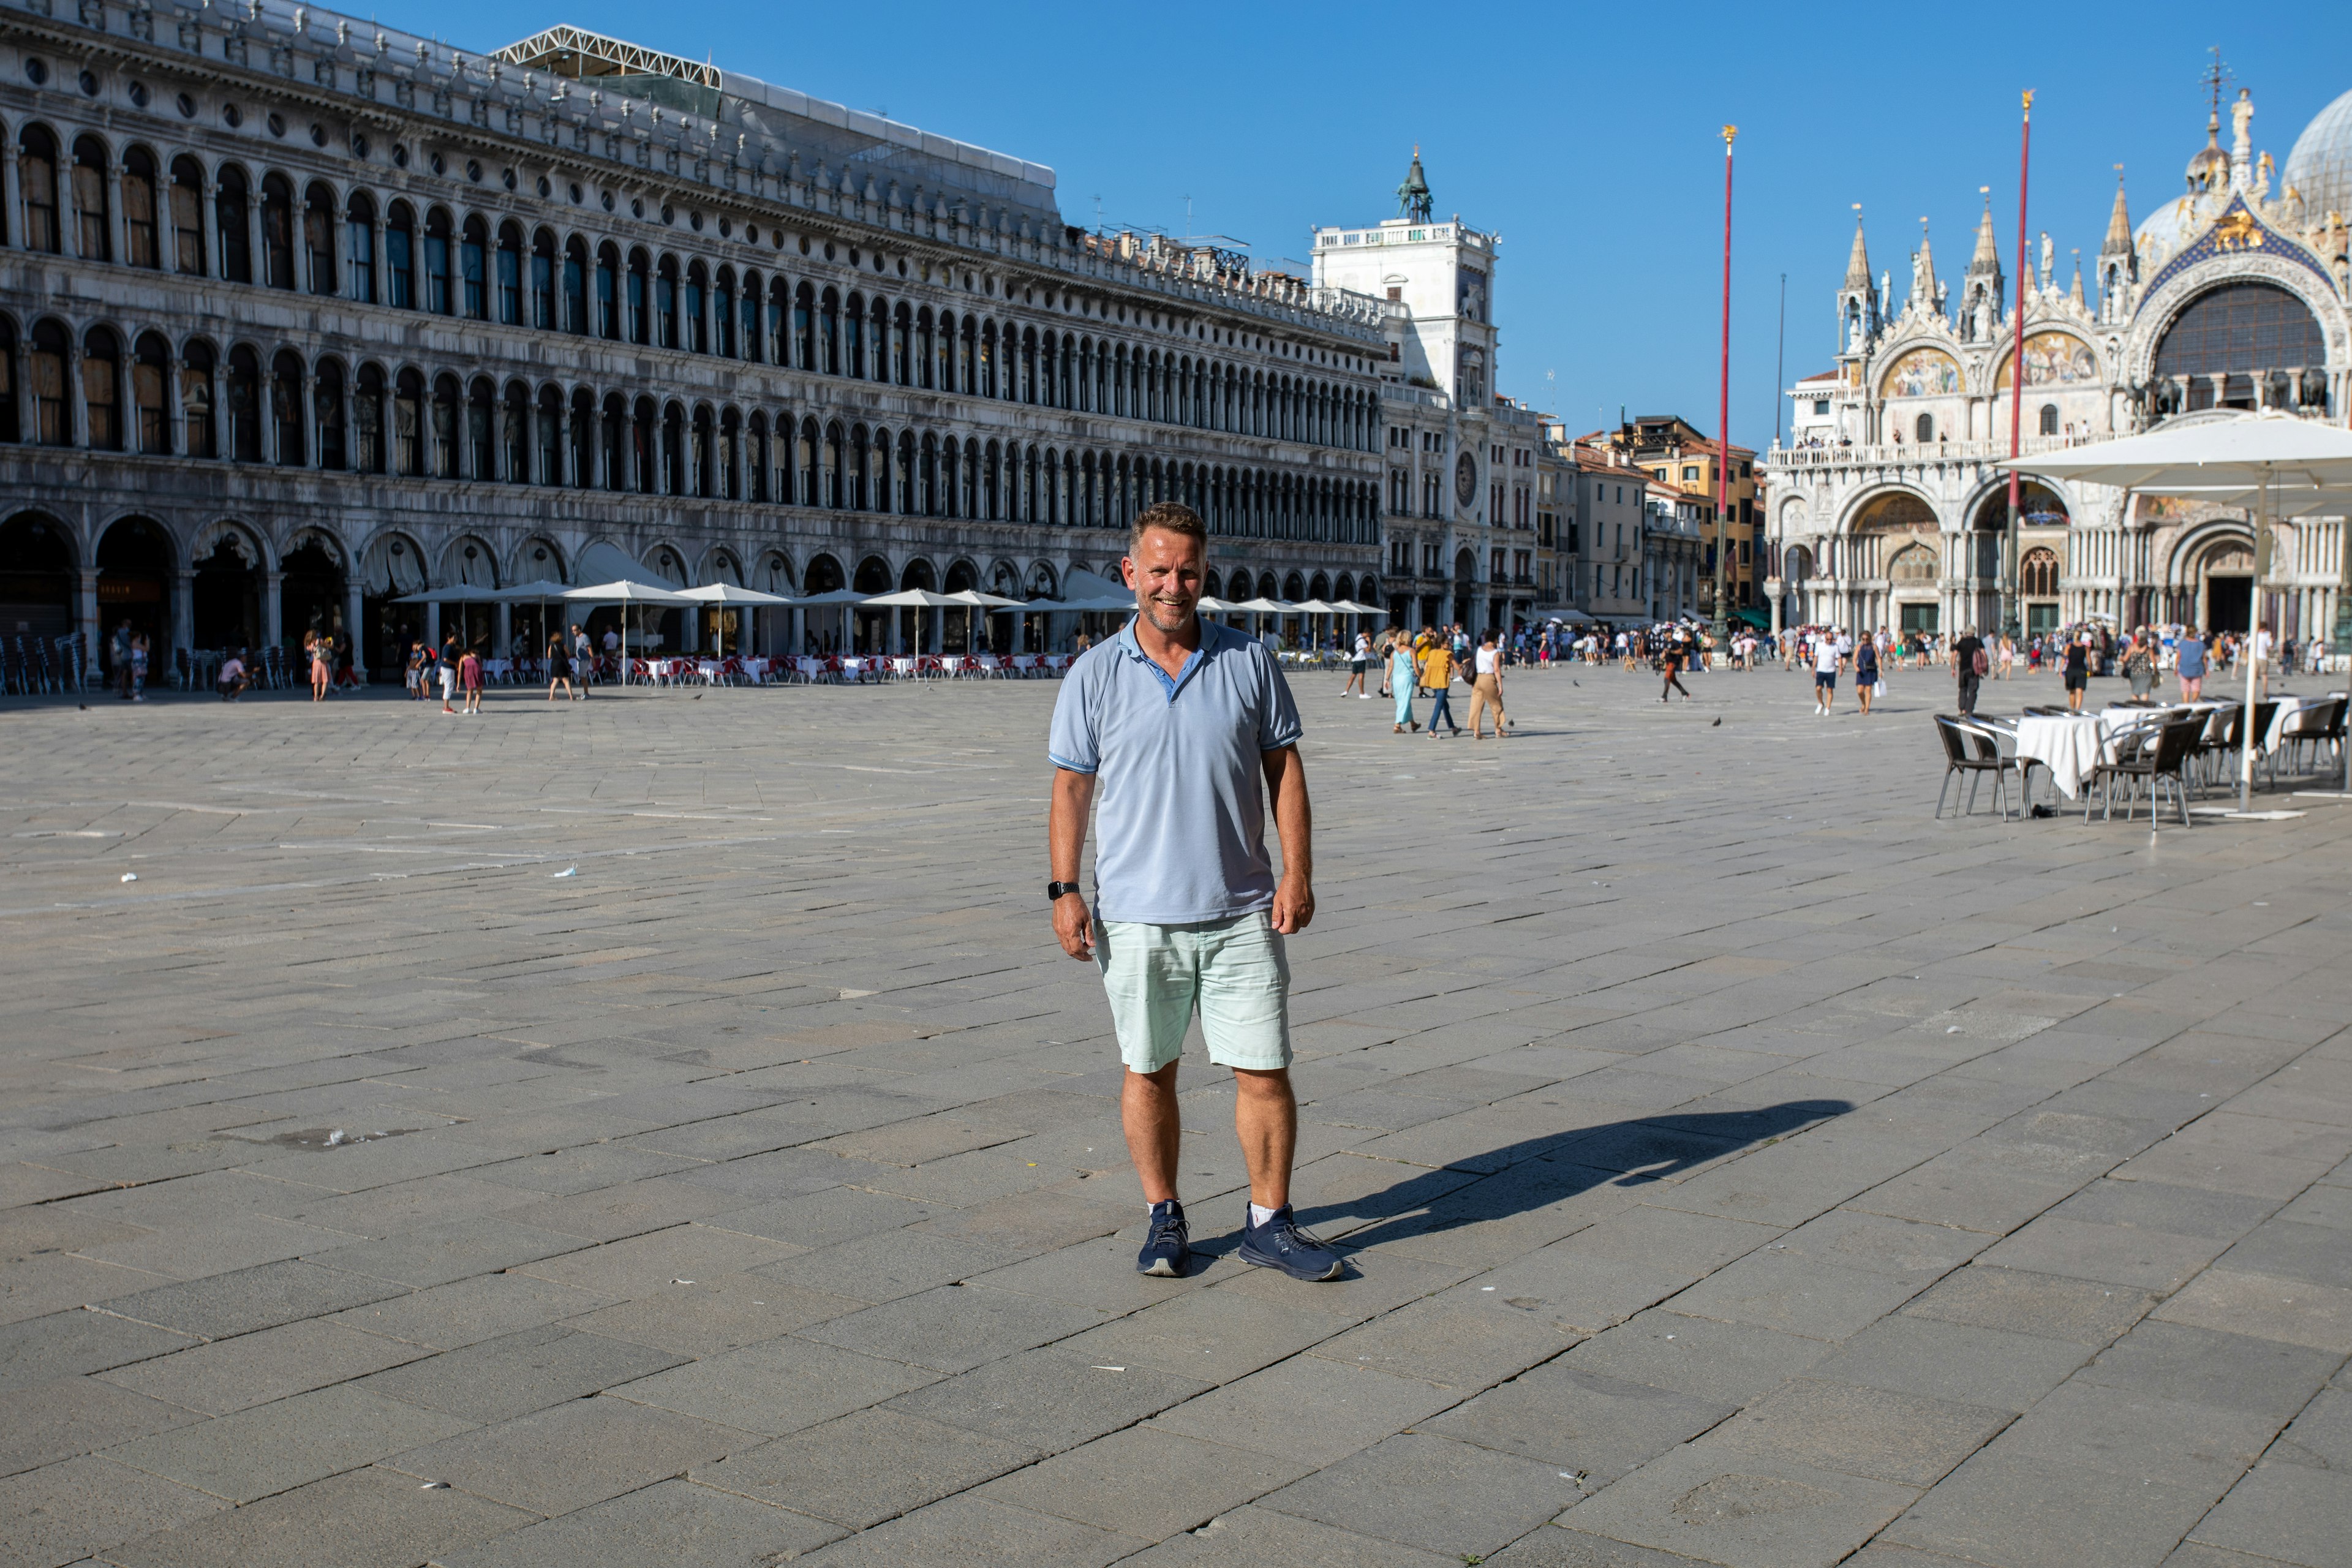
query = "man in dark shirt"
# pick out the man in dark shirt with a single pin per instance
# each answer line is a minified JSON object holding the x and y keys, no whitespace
{"x":1965,"y":653}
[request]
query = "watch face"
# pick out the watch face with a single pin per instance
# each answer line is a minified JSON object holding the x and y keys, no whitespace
{"x":1466,"y":478}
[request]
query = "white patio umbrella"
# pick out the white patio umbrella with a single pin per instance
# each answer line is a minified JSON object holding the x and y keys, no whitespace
{"x":2262,"y":460}
{"x":624,"y":592}
{"x":538,"y":591}
{"x":455,"y":593}
{"x":723,"y":593}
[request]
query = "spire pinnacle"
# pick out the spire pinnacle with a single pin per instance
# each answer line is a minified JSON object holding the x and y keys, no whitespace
{"x":1857,"y":262}
{"x":1988,"y":253}
{"x":2119,"y":228}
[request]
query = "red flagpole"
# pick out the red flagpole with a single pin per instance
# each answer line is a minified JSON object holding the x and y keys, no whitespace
{"x":2017,"y":361}
{"x":1723,"y":418}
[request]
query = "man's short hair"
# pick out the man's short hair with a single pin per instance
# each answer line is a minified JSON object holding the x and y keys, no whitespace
{"x":1173,"y":516}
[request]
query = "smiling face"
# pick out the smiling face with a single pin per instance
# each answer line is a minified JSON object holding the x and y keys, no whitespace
{"x":1164,"y":569}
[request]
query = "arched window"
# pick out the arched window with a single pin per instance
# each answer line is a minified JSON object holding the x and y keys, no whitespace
{"x":804,"y":463}
{"x":400,"y":257}
{"x":481,"y":430}
{"x":441,"y":440}
{"x":473,"y":269}
{"x":551,"y":435}
{"x":731,"y":432}
{"x":699,"y":455}
{"x":616,"y":443}
{"x":829,"y":333}
{"x":440,"y":294}
{"x":151,"y":385}
{"x":196,"y":431}
{"x":542,"y":282}
{"x":286,"y":407}
{"x":101,"y":389}
{"x":359,"y":248}
{"x":93,"y":233}
{"x":853,"y":336}
{"x":188,"y":217}
{"x":2037,"y":574}
{"x":319,"y":238}
{"x":36,"y":177}
{"x":230,"y":207}
{"x":673,"y":450}
{"x":608,"y":293}
{"x":902,"y":339}
{"x":2049,"y":421}
{"x":576,"y":286}
{"x":665,"y":303}
{"x":408,"y":424}
{"x":276,"y":232}
{"x":752,"y":306}
{"x":833,"y":496}
{"x":640,"y":317}
{"x":244,"y":405}
{"x":1924,"y":428}
{"x":695,"y":336}
{"x":804,"y":329}
{"x":583,"y":440}
{"x":509,"y":274}
{"x":327,"y":398}
{"x":367,"y":420}
{"x":641,"y":446}
{"x":514,"y":433}
{"x":139,"y":226}
{"x":722,"y":312}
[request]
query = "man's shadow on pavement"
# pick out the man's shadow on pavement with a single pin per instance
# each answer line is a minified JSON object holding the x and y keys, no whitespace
{"x":1536,"y":1172}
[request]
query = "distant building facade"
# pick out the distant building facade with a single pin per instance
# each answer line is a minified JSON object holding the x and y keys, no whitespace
{"x":299,"y":315}
{"x":1887,"y":509}
{"x":1470,"y":534}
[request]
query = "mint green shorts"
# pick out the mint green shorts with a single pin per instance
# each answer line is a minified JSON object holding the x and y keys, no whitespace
{"x":1234,"y":970}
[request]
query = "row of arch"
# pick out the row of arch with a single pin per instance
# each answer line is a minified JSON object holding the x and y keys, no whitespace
{"x":255,"y":405}
{"x":222,"y":222}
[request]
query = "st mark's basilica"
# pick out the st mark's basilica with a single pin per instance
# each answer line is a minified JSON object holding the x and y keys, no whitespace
{"x":2233,"y":294}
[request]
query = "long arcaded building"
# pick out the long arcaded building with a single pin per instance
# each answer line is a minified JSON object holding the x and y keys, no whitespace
{"x":299,"y":315}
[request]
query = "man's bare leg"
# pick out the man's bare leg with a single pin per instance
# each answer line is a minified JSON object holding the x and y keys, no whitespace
{"x":1266,"y":1119}
{"x":1153,"y":1122}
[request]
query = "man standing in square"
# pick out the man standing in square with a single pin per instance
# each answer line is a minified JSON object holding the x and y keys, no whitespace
{"x":1174,"y":732}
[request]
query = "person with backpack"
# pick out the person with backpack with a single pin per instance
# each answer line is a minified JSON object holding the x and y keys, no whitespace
{"x":1437,"y":677}
{"x":1969,"y":663}
{"x":1865,"y":670}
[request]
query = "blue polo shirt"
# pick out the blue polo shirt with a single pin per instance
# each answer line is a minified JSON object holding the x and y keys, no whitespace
{"x":1180,"y":796}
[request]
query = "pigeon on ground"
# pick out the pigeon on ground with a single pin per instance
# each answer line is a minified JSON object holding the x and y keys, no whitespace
{"x":1716,"y":725}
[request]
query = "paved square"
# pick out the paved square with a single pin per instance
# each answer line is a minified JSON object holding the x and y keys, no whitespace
{"x":663,"y":1129}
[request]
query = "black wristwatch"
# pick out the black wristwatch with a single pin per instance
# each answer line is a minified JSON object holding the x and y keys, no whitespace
{"x":1056,"y":889}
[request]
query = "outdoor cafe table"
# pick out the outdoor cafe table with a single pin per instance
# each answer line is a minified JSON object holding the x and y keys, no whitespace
{"x":2070,"y":745}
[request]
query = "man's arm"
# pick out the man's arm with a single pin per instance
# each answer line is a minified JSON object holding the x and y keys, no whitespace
{"x":1065,"y":842}
{"x":1294,"y":896}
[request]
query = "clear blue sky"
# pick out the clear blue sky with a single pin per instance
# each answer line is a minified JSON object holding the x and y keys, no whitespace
{"x":1592,"y":149}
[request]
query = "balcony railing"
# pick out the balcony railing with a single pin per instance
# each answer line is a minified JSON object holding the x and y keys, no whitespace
{"x":1907,"y":454}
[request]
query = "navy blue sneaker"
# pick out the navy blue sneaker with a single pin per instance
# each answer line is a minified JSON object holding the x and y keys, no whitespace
{"x":1168,"y":1244}
{"x":1280,"y":1243}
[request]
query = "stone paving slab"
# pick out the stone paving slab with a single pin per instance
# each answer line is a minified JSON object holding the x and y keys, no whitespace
{"x":1736,"y":1166}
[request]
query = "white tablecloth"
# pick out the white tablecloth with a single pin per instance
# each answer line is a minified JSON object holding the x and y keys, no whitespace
{"x":2069,"y":744}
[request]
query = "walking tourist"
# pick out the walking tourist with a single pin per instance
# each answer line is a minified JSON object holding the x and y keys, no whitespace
{"x":2139,"y":665}
{"x":1865,"y":671}
{"x":1179,"y":730}
{"x":2078,"y":671}
{"x":1670,"y":662}
{"x":1403,"y":678}
{"x":1486,"y":689}
{"x":584,"y":661}
{"x":558,"y":668}
{"x":1437,"y":680}
{"x":1969,"y":663}
{"x":1358,"y":662}
{"x":2188,"y":664}
{"x":1827,"y":662}
{"x":445,"y":673}
{"x":469,"y":680}
{"x":322,"y":648}
{"x":119,"y":651}
{"x":139,"y":668}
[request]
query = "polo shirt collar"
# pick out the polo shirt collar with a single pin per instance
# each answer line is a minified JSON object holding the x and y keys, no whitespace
{"x":1213,"y":637}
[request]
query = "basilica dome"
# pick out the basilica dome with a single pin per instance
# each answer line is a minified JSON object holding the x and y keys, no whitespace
{"x":2320,"y":168}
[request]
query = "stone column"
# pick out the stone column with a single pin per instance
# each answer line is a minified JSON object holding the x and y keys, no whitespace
{"x":353,"y":609}
{"x":184,"y":609}
{"x":273,"y":630}
{"x":504,"y":647}
{"x":312,"y":458}
{"x":86,"y":621}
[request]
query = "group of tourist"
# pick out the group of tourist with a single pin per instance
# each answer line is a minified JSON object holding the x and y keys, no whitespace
{"x":1428,"y":663}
